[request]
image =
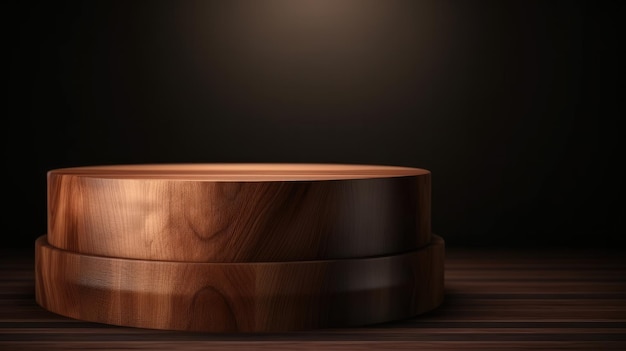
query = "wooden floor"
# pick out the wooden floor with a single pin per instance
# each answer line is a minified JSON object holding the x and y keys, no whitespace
{"x":495,"y":300}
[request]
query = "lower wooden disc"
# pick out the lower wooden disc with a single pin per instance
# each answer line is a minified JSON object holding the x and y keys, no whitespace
{"x":239,"y":297}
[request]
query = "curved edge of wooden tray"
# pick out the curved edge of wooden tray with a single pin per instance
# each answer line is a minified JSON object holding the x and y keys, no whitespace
{"x":239,"y":297}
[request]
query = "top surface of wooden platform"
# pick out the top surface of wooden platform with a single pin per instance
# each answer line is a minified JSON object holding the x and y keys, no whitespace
{"x":495,"y":300}
{"x":242,"y":171}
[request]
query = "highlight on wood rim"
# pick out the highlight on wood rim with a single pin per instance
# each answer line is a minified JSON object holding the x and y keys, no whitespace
{"x":243,"y":171}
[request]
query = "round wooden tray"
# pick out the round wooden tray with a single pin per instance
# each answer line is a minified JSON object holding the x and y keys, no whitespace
{"x":239,"y":212}
{"x":239,"y":297}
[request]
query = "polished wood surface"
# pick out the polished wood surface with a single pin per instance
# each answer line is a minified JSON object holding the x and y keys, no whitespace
{"x":239,"y":297}
{"x":239,"y":212}
{"x":495,"y":299}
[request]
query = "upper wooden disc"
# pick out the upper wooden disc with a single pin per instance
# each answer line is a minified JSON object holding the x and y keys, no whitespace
{"x":239,"y":212}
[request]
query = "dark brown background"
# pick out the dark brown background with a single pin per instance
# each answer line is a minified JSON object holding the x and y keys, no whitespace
{"x":512,"y":105}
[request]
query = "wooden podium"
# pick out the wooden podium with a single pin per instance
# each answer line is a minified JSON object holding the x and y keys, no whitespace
{"x":239,"y":247}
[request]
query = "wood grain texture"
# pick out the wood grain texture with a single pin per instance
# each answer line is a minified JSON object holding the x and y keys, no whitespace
{"x":239,"y":212}
{"x":495,"y":299}
{"x":239,"y":297}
